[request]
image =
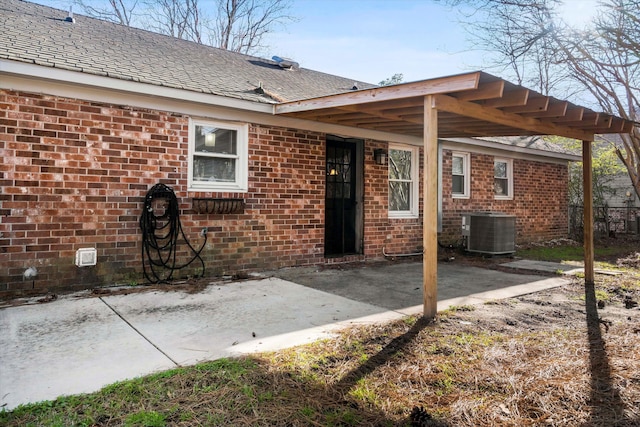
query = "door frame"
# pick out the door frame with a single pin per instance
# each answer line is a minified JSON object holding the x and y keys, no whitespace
{"x":359,"y":191}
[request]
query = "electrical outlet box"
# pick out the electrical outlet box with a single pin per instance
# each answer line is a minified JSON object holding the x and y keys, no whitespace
{"x":86,"y":257}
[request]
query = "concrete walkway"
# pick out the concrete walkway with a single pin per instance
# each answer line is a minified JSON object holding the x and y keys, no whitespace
{"x":78,"y":344}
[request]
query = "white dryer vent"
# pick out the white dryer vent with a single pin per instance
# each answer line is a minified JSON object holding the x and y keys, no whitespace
{"x":86,"y":257}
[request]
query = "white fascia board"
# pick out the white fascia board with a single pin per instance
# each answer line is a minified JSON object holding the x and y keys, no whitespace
{"x":72,"y":84}
{"x":490,"y":147}
{"x":59,"y":75}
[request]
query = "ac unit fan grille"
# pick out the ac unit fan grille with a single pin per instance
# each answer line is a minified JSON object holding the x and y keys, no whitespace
{"x":491,"y":234}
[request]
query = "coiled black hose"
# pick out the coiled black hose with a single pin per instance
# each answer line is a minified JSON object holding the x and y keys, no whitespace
{"x":161,"y":228}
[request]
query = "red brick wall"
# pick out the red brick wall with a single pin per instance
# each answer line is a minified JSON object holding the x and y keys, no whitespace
{"x":540,"y":201}
{"x":74,"y":175}
{"x":391,"y":235}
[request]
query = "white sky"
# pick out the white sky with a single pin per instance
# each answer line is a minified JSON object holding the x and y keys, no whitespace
{"x":371,"y":40}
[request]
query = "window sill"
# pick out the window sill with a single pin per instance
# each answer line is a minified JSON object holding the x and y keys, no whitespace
{"x":217,"y":188}
{"x":404,"y":216}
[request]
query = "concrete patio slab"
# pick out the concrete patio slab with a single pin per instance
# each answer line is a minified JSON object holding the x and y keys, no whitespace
{"x":211,"y":324}
{"x":396,"y":286}
{"x":546,"y":266}
{"x":68,"y":346}
{"x":79,"y":344}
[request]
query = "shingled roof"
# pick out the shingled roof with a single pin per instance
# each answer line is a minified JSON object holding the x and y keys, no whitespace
{"x":40,"y":35}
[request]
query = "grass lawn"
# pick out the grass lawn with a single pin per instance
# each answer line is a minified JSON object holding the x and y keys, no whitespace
{"x":549,"y":359}
{"x":606,"y":251}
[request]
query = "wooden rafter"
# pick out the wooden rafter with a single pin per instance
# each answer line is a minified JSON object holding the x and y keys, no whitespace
{"x":514,"y":98}
{"x":554,"y":109}
{"x":473,"y":104}
{"x":491,"y":115}
{"x":491,"y":90}
{"x":461,"y":82}
{"x":535,"y":103}
{"x":573,"y":114}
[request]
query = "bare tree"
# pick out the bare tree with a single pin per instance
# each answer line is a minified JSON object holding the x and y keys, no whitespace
{"x":602,"y":60}
{"x":606,"y":62}
{"x":240,"y":25}
{"x":118,"y":11}
{"x":176,"y":18}
{"x":522,"y":48}
{"x":237,"y":25}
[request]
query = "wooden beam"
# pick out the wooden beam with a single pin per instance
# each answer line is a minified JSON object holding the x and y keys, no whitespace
{"x":398,"y":112}
{"x":489,"y":90}
{"x":365,"y":121}
{"x":589,"y":119}
{"x":316,"y":114}
{"x":513,"y":98}
{"x":388,"y":105}
{"x":555,"y":109}
{"x":572,"y":114}
{"x":535,"y":126}
{"x":627,"y":126}
{"x":348,"y":117}
{"x":457,"y":83}
{"x":430,"y":210}
{"x":602,"y":124}
{"x":587,"y":174}
{"x":400,"y":128}
{"x":618,"y":125}
{"x":533,"y":105}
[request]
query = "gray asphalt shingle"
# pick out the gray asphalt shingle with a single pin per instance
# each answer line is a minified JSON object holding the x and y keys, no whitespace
{"x":39,"y":34}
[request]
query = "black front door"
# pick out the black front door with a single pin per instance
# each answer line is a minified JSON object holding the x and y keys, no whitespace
{"x":341,"y":199}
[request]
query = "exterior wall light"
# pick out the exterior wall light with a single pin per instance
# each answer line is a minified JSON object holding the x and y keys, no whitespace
{"x":380,"y":156}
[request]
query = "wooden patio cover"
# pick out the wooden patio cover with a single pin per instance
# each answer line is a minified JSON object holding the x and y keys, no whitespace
{"x":474,"y":104}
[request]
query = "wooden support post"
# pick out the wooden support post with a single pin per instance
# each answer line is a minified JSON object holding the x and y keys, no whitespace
{"x":430,"y":209}
{"x":587,"y":186}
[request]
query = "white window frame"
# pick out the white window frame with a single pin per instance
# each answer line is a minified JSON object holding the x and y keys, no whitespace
{"x":415,"y":181}
{"x":466,"y":170}
{"x":509,"y":178}
{"x":242,"y":157}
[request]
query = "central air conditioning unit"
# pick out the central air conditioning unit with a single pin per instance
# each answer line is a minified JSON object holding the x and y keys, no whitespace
{"x":489,"y":233}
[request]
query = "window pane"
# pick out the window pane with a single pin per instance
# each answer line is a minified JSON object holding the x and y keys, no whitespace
{"x":400,"y":164}
{"x":214,"y":140}
{"x":458,"y":166}
{"x":458,"y":184}
{"x":500,"y":169}
{"x":501,"y":187}
{"x":399,"y":196}
{"x":214,"y":169}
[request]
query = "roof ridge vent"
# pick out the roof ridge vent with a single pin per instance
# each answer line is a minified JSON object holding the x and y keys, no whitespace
{"x":70,"y":17}
{"x":286,"y":63}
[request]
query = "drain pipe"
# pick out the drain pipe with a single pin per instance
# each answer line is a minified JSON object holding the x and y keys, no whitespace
{"x":386,"y":255}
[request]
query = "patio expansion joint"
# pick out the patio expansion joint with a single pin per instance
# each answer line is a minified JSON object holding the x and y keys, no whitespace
{"x":139,"y":333}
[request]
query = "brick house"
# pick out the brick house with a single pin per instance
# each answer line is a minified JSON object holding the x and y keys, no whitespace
{"x":95,"y":114}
